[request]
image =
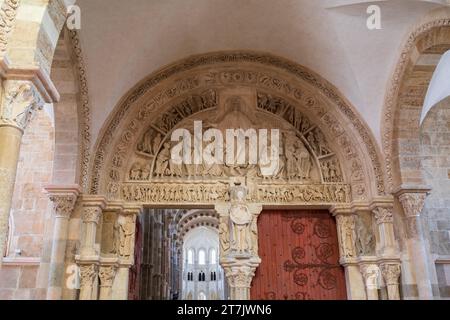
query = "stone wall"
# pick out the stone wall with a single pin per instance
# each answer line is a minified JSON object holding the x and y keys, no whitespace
{"x":18,"y":276}
{"x":435,"y":148}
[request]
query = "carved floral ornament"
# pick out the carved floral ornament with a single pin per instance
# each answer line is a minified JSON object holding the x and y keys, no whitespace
{"x":63,"y":204}
{"x":157,"y":106}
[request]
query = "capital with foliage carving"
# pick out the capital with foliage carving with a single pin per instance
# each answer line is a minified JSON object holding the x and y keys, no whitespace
{"x":383,"y":215}
{"x":391,"y":273}
{"x":412,"y":203}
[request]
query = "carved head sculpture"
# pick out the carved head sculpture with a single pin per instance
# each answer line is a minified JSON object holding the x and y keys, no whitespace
{"x":238,"y":193}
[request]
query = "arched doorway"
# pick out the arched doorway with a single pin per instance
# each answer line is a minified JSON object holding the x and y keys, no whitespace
{"x":325,"y":159}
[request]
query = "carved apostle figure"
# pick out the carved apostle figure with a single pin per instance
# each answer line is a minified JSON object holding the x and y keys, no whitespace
{"x":126,"y":233}
{"x":162,"y":162}
{"x":347,"y":228}
{"x":241,"y":219}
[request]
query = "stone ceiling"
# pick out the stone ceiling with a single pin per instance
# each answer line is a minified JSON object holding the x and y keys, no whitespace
{"x":125,"y":41}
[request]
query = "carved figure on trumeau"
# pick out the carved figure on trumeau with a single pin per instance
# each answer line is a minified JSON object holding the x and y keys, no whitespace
{"x":241,"y":219}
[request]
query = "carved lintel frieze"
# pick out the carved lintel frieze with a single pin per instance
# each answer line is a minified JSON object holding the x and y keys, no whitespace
{"x":20,"y":102}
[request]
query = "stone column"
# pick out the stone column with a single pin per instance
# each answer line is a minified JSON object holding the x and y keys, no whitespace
{"x":126,"y":222}
{"x":107,"y":273}
{"x":92,"y":210}
{"x":370,"y":273}
{"x":413,"y":203}
{"x":20,"y":100}
{"x":89,"y":275}
{"x":391,"y":273}
{"x":385,"y":222}
{"x":347,"y":250}
{"x":238,"y":233}
{"x":64,"y":199}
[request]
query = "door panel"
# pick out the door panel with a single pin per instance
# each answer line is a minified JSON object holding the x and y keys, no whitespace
{"x":300,"y":257}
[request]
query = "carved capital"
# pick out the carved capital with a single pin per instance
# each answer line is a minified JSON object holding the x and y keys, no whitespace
{"x":63,"y":205}
{"x":106,"y":275}
{"x":20,"y":102}
{"x":412,"y":203}
{"x":240,"y":276}
{"x":383,"y":215}
{"x":91,"y":214}
{"x":391,"y":273}
{"x":370,"y":273}
{"x":88,"y":274}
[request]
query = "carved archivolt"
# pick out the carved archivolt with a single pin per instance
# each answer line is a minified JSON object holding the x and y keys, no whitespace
{"x":392,"y":96}
{"x":322,"y":160}
{"x":8,"y":13}
{"x":84,"y":109}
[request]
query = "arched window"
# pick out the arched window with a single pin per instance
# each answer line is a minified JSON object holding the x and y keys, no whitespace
{"x":190,"y":256}
{"x":201,"y":257}
{"x":213,"y":256}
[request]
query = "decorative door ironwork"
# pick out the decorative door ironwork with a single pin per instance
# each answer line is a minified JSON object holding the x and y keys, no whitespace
{"x":300,"y":257}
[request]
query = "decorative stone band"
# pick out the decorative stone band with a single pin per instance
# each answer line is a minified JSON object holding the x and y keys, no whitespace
{"x":219,"y":192}
{"x":20,"y":101}
{"x":8,"y":13}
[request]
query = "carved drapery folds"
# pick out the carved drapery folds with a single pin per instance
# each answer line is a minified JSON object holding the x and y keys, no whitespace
{"x":124,"y":232}
{"x":20,"y":102}
{"x":346,"y":236}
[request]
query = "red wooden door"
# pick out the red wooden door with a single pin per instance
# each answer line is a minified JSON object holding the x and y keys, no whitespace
{"x":300,"y":257}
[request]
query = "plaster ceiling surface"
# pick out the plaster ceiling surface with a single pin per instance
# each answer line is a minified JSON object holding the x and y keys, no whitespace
{"x":125,"y":41}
